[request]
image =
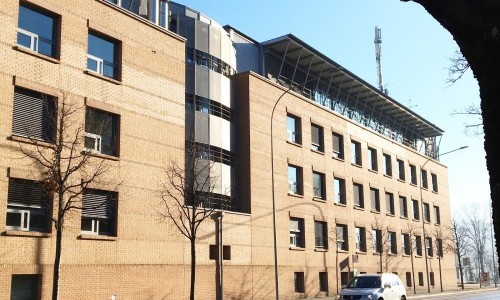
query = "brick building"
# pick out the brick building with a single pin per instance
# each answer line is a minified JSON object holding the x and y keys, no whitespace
{"x":322,"y":175}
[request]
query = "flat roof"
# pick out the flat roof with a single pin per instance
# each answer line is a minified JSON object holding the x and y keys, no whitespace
{"x":372,"y":99}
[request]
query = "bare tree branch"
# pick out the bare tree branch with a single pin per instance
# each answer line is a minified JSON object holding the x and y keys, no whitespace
{"x":459,"y":65}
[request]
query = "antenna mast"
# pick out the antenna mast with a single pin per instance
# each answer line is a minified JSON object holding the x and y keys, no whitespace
{"x":378,"y":55}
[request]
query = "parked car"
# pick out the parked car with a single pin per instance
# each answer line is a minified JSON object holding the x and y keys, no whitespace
{"x":386,"y":286}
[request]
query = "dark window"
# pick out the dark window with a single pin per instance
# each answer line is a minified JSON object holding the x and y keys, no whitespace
{"x":377,"y":240}
{"x":320,"y":235}
{"x":295,"y":180}
{"x":293,"y":129}
{"x":101,"y":131}
{"x":403,"y":207}
{"x":25,"y":286}
{"x":209,"y":106}
{"x":103,"y":55}
{"x":431,"y":278}
{"x":408,"y":279}
{"x":204,"y":59}
{"x":388,"y":164}
{"x":99,"y":212}
{"x":208,"y":152}
{"x":420,"y":278}
{"x":416,"y":210}
{"x":418,"y":245}
{"x":214,"y":252}
{"x":338,"y":145}
{"x":393,"y":245}
{"x":439,"y":246}
{"x":299,"y":282}
{"x":423,"y":173}
{"x":434,"y":182}
{"x":389,"y":200}
{"x":38,"y":30}
{"x":401,"y":169}
{"x":319,"y":185}
{"x":427,"y":212}
{"x":428,"y":246}
{"x":413,"y":174}
{"x":372,"y":159}
{"x":34,"y":115}
{"x":317,"y":141}
{"x":358,"y":195}
{"x":28,"y":206}
{"x":297,"y":233}
{"x":360,"y":239}
{"x":342,"y":237}
{"x":375,"y":199}
{"x":356,"y":153}
{"x":405,"y":243}
{"x":344,"y":278}
{"x":437,"y":215}
{"x":339,"y":190}
{"x":323,"y":281}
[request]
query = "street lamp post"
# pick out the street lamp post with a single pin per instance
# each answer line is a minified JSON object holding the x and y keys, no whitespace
{"x":276,"y":281}
{"x":423,"y":216}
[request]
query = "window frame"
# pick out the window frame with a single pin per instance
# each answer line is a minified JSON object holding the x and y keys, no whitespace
{"x":358,"y":195}
{"x":356,"y":158}
{"x":403,"y":206}
{"x":437,"y":215}
{"x":413,"y":174}
{"x":339,"y":192}
{"x":401,"y":169}
{"x":428,"y":247}
{"x":342,"y":241}
{"x":405,"y":244}
{"x":434,"y":182}
{"x":297,"y":237}
{"x":294,"y":136}
{"x":375,"y":192}
{"x":393,"y":243}
{"x":338,"y":146}
{"x":299,"y":282}
{"x":423,"y":177}
{"x":376,"y":240}
{"x":299,"y":178}
{"x":321,"y":241}
{"x":415,"y":210}
{"x":322,"y":187}
{"x":116,"y":65}
{"x":35,"y":290}
{"x":323,"y":282}
{"x":320,"y":145}
{"x":360,"y":233}
{"x":372,"y":159}
{"x":389,"y":199}
{"x":426,"y":212}
{"x":418,"y":245}
{"x":114,"y":139}
{"x":90,"y":213}
{"x":387,"y":164}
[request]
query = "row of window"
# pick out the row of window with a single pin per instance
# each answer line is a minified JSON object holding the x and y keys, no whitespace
{"x":295,"y":187}
{"x":204,"y":59}
{"x":208,"y":106}
{"x":382,"y":241}
{"x":294,"y":135}
{"x":39,"y":31}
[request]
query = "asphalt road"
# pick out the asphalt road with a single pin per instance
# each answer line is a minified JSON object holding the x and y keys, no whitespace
{"x":471,"y":295}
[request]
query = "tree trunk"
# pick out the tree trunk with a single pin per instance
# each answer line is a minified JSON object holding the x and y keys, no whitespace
{"x":193,"y":268}
{"x":475,"y":27}
{"x":440,"y":275}
{"x":413,"y":273}
{"x":57,"y":263}
{"x":460,"y":270}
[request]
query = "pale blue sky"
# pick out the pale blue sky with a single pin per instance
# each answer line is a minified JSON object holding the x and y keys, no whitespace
{"x":415,"y":57}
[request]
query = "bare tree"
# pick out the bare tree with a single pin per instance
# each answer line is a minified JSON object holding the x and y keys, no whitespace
{"x":411,"y":230}
{"x":471,"y":111}
{"x":66,"y":167}
{"x":189,"y":197}
{"x":443,"y":238}
{"x":459,"y":65}
{"x":384,"y":245}
{"x":477,"y":231}
{"x":460,"y":244}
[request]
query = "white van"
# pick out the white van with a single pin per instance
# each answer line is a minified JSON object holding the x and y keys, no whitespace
{"x":386,"y":286}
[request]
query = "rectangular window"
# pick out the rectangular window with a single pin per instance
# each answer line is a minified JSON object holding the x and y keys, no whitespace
{"x":299,"y":282}
{"x":439,"y":247}
{"x":356,"y":153}
{"x":28,"y":206}
{"x":375,"y":199}
{"x":431,"y":278}
{"x":103,"y":56}
{"x":437,"y":215}
{"x":214,"y":252}
{"x":358,"y":195}
{"x":317,"y":140}
{"x":38,"y":30}
{"x":320,"y":235}
{"x":434,"y":182}
{"x":339,"y":190}
{"x":427,"y":213}
{"x":408,"y":279}
{"x":420,"y":278}
{"x":99,"y":212}
{"x":413,"y":174}
{"x":323,"y":281}
{"x":341,"y":237}
{"x":319,"y":185}
{"x":423,"y":173}
{"x":293,"y":129}
{"x":295,"y":180}
{"x":401,"y":169}
{"x":344,"y":278}
{"x":34,"y":115}
{"x":387,"y":165}
{"x":338,"y":145}
{"x":428,"y":246}
{"x":389,"y":200}
{"x":403,"y":207}
{"x":360,"y":239}
{"x":297,"y":233}
{"x":377,"y":240}
{"x":101,"y":131}
{"x":405,"y":244}
{"x":416,"y":210}
{"x":418,"y":245}
{"x":393,"y":245}
{"x":25,"y":286}
{"x":372,"y":159}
